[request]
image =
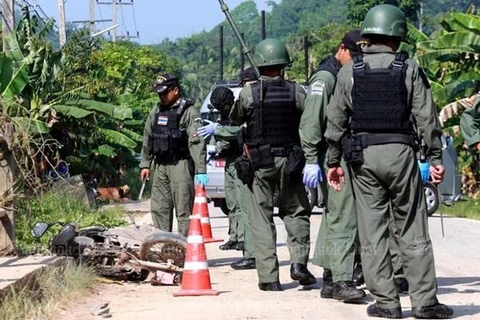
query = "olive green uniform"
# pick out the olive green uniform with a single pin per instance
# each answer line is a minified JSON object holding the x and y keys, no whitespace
{"x":470,"y":124}
{"x":172,"y":185}
{"x":293,"y":207}
{"x":336,"y":246}
{"x":234,"y":194}
{"x":390,"y":175}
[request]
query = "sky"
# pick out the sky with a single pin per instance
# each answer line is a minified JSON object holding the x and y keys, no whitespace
{"x":155,"y":20}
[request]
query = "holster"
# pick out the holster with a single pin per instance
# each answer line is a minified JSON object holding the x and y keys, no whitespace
{"x":295,"y":161}
{"x":353,"y":150}
{"x":244,"y":170}
{"x":261,"y":156}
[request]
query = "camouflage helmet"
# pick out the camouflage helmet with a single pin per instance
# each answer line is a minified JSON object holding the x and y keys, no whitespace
{"x":386,"y":20}
{"x":271,"y":52}
{"x":220,"y":97}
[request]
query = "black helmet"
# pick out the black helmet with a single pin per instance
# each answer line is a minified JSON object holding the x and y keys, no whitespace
{"x":220,"y":97}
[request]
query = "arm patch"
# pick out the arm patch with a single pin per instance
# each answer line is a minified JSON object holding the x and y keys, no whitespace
{"x":316,"y":88}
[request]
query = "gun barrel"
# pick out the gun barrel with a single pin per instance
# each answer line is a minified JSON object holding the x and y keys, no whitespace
{"x":232,"y":23}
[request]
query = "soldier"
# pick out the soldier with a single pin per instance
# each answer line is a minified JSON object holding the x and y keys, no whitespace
{"x":271,"y":108}
{"x":369,"y":117}
{"x":228,"y":147}
{"x":336,"y":242}
{"x":177,"y":153}
{"x":470,"y":124}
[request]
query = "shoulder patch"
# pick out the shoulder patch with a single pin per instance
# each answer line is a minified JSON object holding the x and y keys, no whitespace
{"x":316,"y":88}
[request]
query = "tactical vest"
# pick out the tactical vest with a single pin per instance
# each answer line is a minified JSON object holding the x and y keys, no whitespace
{"x":331,"y":65}
{"x":167,"y":142}
{"x":234,"y":146}
{"x":380,"y":97}
{"x":274,"y":120}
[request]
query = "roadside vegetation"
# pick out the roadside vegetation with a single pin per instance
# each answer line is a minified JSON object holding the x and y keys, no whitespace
{"x":42,"y":297}
{"x":469,"y":208}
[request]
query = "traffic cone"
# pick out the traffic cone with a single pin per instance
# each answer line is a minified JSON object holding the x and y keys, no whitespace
{"x":196,"y":277}
{"x":200,"y":207}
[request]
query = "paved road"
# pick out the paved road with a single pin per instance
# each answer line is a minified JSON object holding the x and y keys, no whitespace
{"x":457,"y":263}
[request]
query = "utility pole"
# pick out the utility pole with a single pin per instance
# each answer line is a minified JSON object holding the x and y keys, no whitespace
{"x":115,"y":4}
{"x":7,"y":21}
{"x":61,"y":28}
{"x":92,"y":17}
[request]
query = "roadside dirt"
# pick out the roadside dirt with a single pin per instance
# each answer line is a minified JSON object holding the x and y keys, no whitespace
{"x":457,"y":263}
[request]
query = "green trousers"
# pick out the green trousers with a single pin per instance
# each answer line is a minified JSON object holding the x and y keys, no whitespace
{"x":390,"y":175}
{"x":233,"y":197}
{"x":336,"y":242}
{"x":294,"y":210}
{"x":172,"y":188}
{"x":248,"y":250}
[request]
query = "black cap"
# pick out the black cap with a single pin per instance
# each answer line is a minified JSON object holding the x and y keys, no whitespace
{"x":165,"y":81}
{"x":353,"y":41}
{"x":248,"y":74}
{"x":222,"y":96}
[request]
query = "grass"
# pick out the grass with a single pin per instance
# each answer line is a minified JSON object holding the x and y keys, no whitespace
{"x":469,"y":208}
{"x":54,"y":287}
{"x":55,"y":207}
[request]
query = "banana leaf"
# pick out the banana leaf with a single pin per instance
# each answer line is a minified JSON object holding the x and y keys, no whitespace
{"x":106,"y":108}
{"x":32,"y":126}
{"x":118,"y":138}
{"x":14,"y":86}
{"x":133,"y":135}
{"x":105,"y":150}
{"x":72,"y":111}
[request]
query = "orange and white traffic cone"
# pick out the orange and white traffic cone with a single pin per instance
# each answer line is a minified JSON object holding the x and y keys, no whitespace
{"x":200,"y":207}
{"x":196,"y":277}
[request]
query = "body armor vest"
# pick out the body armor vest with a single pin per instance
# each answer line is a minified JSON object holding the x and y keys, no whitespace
{"x":331,"y":65}
{"x":380,"y":97}
{"x":274,"y":120}
{"x":167,"y":141}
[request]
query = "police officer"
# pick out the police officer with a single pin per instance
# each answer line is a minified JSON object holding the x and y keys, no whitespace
{"x":271,"y":109}
{"x":470,"y":124}
{"x":226,"y":135}
{"x":336,"y":242}
{"x":172,"y":146}
{"x":369,"y":117}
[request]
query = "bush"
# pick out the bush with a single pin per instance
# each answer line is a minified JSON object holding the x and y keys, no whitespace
{"x":52,"y":207}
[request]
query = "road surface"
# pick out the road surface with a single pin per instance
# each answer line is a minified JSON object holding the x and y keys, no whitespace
{"x":457,"y":257}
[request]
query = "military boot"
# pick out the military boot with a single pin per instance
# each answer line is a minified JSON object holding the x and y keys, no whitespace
{"x":244,"y":264}
{"x":271,"y":286}
{"x":299,"y":272}
{"x":346,"y":291}
{"x":402,"y":285}
{"x":437,"y":311}
{"x":229,"y":245}
{"x":358,"y":279}
{"x":327,"y":287}
{"x":240,"y":246}
{"x":393,"y":313}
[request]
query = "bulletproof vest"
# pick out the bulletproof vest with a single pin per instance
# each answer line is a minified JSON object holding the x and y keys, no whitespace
{"x":167,"y":141}
{"x":274,"y":120}
{"x":380,"y":97}
{"x":331,"y":65}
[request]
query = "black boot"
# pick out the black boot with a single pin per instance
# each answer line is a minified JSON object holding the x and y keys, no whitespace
{"x":393,"y":313}
{"x":229,"y":245}
{"x":437,"y":311}
{"x":271,"y":286}
{"x":327,"y":287}
{"x":346,"y":291}
{"x":240,"y":246}
{"x":244,"y":264}
{"x":358,"y":279}
{"x":299,"y":272}
{"x":402,"y":285}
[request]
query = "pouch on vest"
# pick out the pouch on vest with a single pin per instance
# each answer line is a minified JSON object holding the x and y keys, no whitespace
{"x":295,"y":161}
{"x":261,"y":156}
{"x":244,"y":170}
{"x":176,"y":139}
{"x":353,"y":151}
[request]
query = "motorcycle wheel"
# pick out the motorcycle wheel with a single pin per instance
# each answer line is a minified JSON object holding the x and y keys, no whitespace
{"x":161,"y":246}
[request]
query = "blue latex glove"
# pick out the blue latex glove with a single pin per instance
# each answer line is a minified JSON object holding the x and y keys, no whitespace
{"x":312,"y":175}
{"x":202,"y":179}
{"x":211,"y":150}
{"x":424,"y":171}
{"x":208,"y":130}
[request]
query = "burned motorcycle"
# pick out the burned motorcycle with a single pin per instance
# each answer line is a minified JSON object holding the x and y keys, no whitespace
{"x":124,"y":253}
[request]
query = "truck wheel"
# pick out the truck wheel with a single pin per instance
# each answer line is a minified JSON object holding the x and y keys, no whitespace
{"x":432,"y":197}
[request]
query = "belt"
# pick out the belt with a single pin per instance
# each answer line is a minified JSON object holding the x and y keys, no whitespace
{"x":279,"y":152}
{"x":371,"y":139}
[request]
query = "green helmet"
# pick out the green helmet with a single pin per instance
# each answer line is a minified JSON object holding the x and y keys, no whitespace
{"x":271,"y":52}
{"x":386,"y":20}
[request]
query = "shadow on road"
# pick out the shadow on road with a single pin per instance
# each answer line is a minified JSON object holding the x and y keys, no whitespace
{"x":445,"y":284}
